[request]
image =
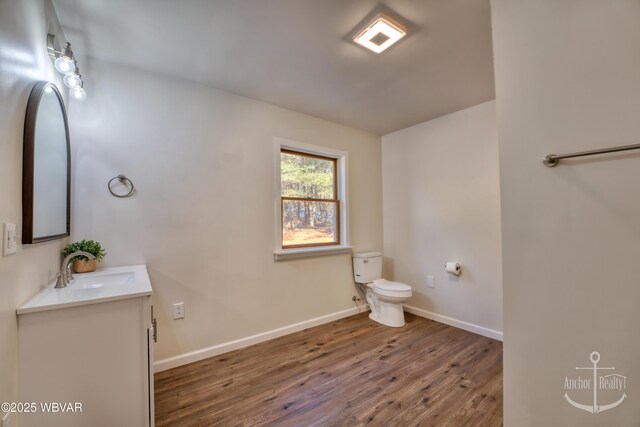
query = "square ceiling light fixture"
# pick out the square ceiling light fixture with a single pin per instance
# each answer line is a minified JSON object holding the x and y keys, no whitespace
{"x":380,"y":33}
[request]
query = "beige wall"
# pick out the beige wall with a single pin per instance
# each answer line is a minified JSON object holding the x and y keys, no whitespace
{"x":442,"y":203}
{"x":568,"y":79}
{"x":23,"y":61}
{"x":203,"y":215}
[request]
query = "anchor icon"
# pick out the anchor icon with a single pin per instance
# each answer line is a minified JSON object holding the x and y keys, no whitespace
{"x":595,"y":408}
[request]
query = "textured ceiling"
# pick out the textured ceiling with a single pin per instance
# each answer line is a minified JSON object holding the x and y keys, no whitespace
{"x":297,"y":53}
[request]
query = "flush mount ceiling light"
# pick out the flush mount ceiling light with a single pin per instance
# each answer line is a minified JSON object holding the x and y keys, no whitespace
{"x":66,"y":64}
{"x":380,"y":33}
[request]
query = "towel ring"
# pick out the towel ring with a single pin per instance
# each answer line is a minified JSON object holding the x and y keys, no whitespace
{"x":123,"y":180}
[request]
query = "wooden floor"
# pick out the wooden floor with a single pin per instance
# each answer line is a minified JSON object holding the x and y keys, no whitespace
{"x":350,"y":372}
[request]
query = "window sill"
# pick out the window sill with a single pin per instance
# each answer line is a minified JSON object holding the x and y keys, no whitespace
{"x":285,"y":254}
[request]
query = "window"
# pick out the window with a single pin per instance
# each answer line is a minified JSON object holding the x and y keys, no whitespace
{"x":311,"y":200}
{"x":309,"y":207}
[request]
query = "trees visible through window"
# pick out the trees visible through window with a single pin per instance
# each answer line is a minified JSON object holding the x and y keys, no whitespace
{"x":309,"y":198}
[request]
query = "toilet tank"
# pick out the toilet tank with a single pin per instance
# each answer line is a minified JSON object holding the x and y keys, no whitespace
{"x":367,"y":267}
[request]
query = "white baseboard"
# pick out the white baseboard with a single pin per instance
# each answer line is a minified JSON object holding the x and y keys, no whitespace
{"x":476,"y":329}
{"x":194,"y":356}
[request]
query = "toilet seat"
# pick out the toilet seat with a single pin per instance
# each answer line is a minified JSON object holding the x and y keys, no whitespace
{"x":388,"y":288}
{"x":387,"y":285}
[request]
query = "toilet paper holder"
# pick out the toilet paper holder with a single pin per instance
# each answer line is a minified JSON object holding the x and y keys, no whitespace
{"x":453,"y":268}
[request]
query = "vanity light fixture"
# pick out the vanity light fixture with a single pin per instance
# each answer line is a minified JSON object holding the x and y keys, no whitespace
{"x":380,"y":33}
{"x":78,"y":93}
{"x":72,"y":80}
{"x":66,"y":64}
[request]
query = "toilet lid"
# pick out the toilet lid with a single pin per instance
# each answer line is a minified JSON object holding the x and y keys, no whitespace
{"x":387,"y":285}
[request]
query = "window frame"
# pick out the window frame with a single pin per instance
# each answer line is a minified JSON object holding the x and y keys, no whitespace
{"x":341,"y":245}
{"x":335,"y":200}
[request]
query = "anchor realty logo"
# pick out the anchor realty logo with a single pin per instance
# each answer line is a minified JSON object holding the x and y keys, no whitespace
{"x":612,"y":383}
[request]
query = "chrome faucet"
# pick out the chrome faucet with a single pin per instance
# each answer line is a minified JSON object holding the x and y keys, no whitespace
{"x":65,"y":277}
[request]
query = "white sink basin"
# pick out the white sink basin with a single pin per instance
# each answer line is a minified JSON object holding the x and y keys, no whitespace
{"x":102,"y":280}
{"x":105,"y":284}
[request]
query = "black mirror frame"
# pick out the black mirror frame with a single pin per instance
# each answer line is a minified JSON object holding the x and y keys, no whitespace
{"x":28,"y":164}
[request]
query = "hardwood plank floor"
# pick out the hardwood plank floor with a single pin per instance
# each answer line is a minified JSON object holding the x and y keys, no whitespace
{"x":351,"y":372}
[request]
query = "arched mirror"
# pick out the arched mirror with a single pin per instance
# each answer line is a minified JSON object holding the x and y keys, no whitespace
{"x":46,"y":180}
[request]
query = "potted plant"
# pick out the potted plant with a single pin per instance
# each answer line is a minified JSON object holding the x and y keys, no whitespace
{"x":81,"y":264}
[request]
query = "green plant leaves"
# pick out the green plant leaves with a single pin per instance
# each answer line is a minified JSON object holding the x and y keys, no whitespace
{"x":91,"y":246}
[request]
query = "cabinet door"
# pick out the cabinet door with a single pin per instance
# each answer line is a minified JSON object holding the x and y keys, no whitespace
{"x":97,"y":355}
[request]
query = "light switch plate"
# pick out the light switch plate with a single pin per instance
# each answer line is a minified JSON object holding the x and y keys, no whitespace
{"x":431,"y":282}
{"x":9,"y":240}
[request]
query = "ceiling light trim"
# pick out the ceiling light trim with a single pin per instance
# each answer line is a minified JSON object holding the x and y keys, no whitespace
{"x":384,"y":25}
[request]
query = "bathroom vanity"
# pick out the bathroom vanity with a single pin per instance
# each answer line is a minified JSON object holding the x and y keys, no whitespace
{"x":89,"y":347}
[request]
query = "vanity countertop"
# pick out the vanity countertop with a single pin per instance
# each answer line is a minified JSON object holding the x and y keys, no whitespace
{"x":102,"y":285}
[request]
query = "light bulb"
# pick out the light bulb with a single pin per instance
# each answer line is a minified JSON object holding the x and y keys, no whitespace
{"x":78,"y":93}
{"x":65,"y":65}
{"x":72,"y":80}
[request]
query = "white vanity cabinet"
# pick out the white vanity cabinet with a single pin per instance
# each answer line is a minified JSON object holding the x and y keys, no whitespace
{"x":92,"y":354}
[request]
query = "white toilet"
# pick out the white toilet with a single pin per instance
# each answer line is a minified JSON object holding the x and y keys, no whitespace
{"x":385,"y":298}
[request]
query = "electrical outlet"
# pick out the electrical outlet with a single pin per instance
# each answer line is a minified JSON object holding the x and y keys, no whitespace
{"x":431,"y":282}
{"x":178,"y":311}
{"x":9,"y":240}
{"x":8,"y":420}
